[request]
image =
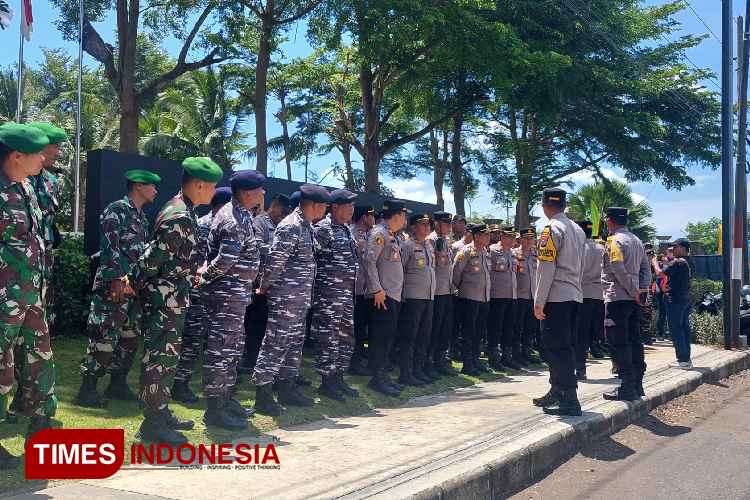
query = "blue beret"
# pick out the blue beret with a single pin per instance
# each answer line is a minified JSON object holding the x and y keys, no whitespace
{"x":247,"y":179}
{"x":221,"y":196}
{"x":318,"y":194}
{"x":294,"y":199}
{"x":341,"y":196}
{"x":282,"y":200}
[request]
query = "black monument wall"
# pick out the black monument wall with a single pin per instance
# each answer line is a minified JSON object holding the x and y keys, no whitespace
{"x":105,"y":183}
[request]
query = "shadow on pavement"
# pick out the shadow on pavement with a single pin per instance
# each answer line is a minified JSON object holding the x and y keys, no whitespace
{"x":660,"y":428}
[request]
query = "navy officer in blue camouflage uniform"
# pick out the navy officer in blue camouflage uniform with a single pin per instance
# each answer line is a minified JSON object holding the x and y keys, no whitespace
{"x":287,"y":282}
{"x":194,"y":334}
{"x":226,"y":285}
{"x":332,"y":323}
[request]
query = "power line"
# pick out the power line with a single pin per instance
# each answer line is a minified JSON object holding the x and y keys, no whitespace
{"x":704,"y":22}
{"x":692,"y":63}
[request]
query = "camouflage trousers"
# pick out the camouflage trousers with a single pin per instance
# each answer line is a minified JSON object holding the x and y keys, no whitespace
{"x":162,"y":343}
{"x":113,"y":335}
{"x":332,"y":326}
{"x":281,"y":351}
{"x":192,"y":337}
{"x":23,"y":329}
{"x":49,"y":293}
{"x":224,"y":346}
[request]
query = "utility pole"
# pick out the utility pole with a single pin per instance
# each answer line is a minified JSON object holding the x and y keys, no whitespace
{"x":743,"y":56}
{"x":729,"y":292}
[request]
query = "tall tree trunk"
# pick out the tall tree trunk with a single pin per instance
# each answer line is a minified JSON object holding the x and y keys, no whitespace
{"x":522,"y":207}
{"x":346,"y":152}
{"x":285,"y":134}
{"x":307,"y":157}
{"x":128,"y":121}
{"x":261,"y":87}
{"x":438,"y":168}
{"x":371,"y":110}
{"x":457,"y":169}
{"x":127,"y":19}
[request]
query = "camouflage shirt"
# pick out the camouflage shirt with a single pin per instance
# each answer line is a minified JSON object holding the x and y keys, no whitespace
{"x":123,"y":236}
{"x":201,"y":235}
{"x":167,"y":267}
{"x":264,"y":229}
{"x":233,"y":255}
{"x":21,"y":262}
{"x":47,"y":188}
{"x":336,"y":259}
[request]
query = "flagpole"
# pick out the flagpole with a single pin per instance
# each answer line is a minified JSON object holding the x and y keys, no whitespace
{"x":19,"y":80}
{"x":76,"y":207}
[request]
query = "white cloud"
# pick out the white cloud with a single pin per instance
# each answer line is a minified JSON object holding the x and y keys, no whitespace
{"x":587,"y":177}
{"x":411,"y":189}
{"x":637,"y":198}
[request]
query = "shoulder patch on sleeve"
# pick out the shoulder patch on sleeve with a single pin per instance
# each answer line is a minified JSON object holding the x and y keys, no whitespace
{"x":547,"y":252}
{"x":460,"y":256}
{"x":379,"y":240}
{"x":614,"y":251}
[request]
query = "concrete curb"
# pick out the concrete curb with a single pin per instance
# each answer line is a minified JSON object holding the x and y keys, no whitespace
{"x":531,"y":455}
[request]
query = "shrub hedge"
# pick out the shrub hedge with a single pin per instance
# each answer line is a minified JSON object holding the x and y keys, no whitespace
{"x":72,"y":286}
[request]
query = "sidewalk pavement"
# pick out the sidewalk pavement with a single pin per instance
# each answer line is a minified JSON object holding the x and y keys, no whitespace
{"x":482,"y":441}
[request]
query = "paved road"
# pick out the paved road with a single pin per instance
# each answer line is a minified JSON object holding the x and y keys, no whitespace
{"x":696,"y":447}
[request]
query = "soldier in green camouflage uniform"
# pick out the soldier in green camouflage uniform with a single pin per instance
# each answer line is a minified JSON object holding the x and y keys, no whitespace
{"x":21,"y":279}
{"x":114,"y":317}
{"x":162,"y":279}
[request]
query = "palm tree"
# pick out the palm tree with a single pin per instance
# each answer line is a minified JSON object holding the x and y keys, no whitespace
{"x":592,"y":200}
{"x":196,"y":117}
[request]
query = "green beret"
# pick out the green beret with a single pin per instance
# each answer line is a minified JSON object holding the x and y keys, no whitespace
{"x":23,"y":138}
{"x":56,"y":135}
{"x":142,"y":176}
{"x":202,"y":168}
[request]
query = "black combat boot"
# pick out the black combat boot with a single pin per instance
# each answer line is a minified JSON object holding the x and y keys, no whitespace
{"x":118,"y":388}
{"x":359,"y":367}
{"x":345,"y":388}
{"x":429,"y":370}
{"x":552,"y":397}
{"x":156,"y":430}
{"x":329,"y":388}
{"x":494,"y":360}
{"x":218,"y":415}
{"x":8,"y":461}
{"x":470,"y":369}
{"x":181,"y":392}
{"x":406,"y":377}
{"x":444,"y":367}
{"x":382,"y":383}
{"x":638,"y":386}
{"x":420,"y":374}
{"x":519,"y":358}
{"x":626,"y":392}
{"x":581,"y":375}
{"x":289,"y":394}
{"x":301,"y":381}
{"x":567,"y":405}
{"x":597,"y":352}
{"x":87,"y":395}
{"x":235,"y":408}
{"x":264,"y":401}
{"x":37,"y":423}
{"x":508,"y":361}
{"x":176,"y":423}
{"x":11,"y":416}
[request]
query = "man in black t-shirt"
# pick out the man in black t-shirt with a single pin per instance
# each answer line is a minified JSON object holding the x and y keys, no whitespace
{"x":678,"y":300}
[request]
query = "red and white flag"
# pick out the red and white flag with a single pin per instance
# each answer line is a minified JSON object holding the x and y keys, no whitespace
{"x":27,"y":19}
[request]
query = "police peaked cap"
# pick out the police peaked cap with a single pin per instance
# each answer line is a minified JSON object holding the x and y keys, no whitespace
{"x":391,"y":207}
{"x":342,"y":196}
{"x":417,"y":218}
{"x":247,"y":179}
{"x":317,"y":194}
{"x":442,"y":217}
{"x":553,"y":196}
{"x":361,"y":211}
{"x":479,"y":228}
{"x":528,"y":231}
{"x":618,"y":215}
{"x":509,"y":230}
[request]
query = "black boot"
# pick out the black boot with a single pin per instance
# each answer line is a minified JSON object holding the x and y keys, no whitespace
{"x":581,"y":375}
{"x":289,"y":394}
{"x":118,"y":388}
{"x":508,"y":361}
{"x":218,"y":415}
{"x":174,"y":422}
{"x":420,"y":374}
{"x":429,"y":370}
{"x":87,"y":395}
{"x":470,"y":369}
{"x":156,"y":430}
{"x":235,"y":408}
{"x":264,"y":401}
{"x":638,"y":386}
{"x":359,"y":367}
{"x":181,"y":392}
{"x":301,"y":381}
{"x":381,"y":383}
{"x":37,"y":423}
{"x":8,"y":461}
{"x":329,"y":388}
{"x":626,"y":392}
{"x":567,"y":405}
{"x":481,"y":366}
{"x":596,"y":352}
{"x":408,"y":378}
{"x":11,"y":416}
{"x":552,"y":397}
{"x":444,"y":367}
{"x":346,"y":389}
{"x":495,"y":363}
{"x":519,"y":358}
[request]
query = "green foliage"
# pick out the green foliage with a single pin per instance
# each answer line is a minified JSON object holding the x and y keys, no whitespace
{"x":706,"y":233}
{"x":71,"y":286}
{"x":707,"y":329}
{"x":701,"y":286}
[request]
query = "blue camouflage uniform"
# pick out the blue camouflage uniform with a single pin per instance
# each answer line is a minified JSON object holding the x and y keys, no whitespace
{"x":333,"y":303}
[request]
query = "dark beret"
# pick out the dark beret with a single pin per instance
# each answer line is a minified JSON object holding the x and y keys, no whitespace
{"x":417,"y":218}
{"x":294,"y":199}
{"x":553,"y":196}
{"x":23,"y":138}
{"x":341,"y":196}
{"x":247,"y":179}
{"x":221,"y":196}
{"x":618,"y":215}
{"x":281,"y":199}
{"x":442,"y":217}
{"x":142,"y":176}
{"x":361,"y":211}
{"x":317,"y":194}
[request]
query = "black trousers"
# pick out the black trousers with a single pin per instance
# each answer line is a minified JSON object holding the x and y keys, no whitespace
{"x":622,"y":324}
{"x":558,"y":342}
{"x":256,"y":317}
{"x":501,"y":326}
{"x":382,"y":324}
{"x":442,"y":327}
{"x":456,"y":340}
{"x":526,"y":323}
{"x":473,"y":319}
{"x":414,"y":332}
{"x":590,"y":323}
{"x":361,"y":309}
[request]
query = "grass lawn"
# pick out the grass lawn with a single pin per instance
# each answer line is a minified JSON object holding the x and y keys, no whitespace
{"x":127,"y":415}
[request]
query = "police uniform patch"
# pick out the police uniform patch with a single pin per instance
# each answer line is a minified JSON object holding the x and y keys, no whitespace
{"x":614,"y":250}
{"x":546,"y":247}
{"x":379,"y":240}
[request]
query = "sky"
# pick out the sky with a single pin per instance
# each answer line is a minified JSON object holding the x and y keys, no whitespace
{"x":672,"y":209}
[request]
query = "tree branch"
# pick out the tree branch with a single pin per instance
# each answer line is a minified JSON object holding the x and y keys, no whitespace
{"x":394,"y":143}
{"x":196,"y":27}
{"x":102,"y":52}
{"x":302,"y":11}
{"x":163,"y":81}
